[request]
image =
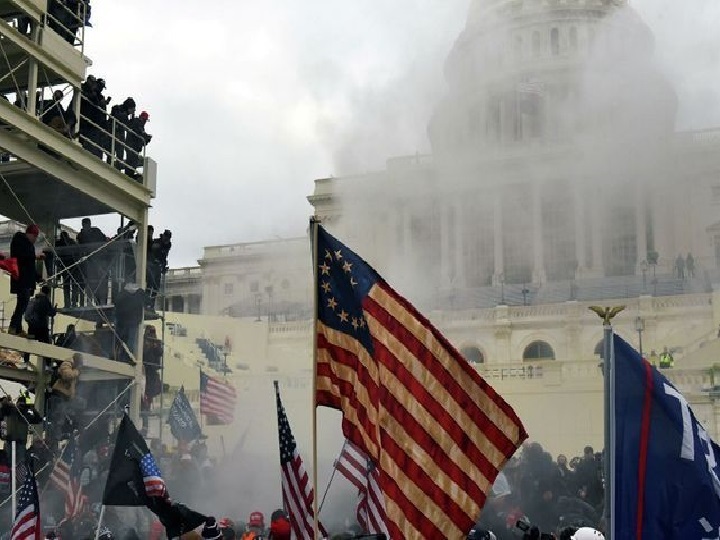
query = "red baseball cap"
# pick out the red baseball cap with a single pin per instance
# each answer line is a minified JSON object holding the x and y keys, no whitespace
{"x":256,"y":520}
{"x":32,"y":229}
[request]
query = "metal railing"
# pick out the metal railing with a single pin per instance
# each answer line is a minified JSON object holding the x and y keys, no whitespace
{"x":110,"y":140}
{"x":77,"y":18}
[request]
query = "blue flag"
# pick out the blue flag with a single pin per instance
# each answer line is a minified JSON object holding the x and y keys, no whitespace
{"x":183,"y":422}
{"x":666,"y":468}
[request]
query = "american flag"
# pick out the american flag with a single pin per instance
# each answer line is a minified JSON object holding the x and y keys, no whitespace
{"x":217,"y":399}
{"x":438,"y":433}
{"x":297,"y":491}
{"x":354,"y":465}
{"x":65,"y":476}
{"x":27,"y":519}
{"x":154,"y":484}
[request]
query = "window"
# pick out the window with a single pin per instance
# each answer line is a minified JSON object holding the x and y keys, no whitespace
{"x":229,"y":288}
{"x":555,"y":41}
{"x":573,"y":39}
{"x":473,"y":355}
{"x":599,"y":348}
{"x":538,"y":350}
{"x":536,"y":44}
{"x":254,"y":286}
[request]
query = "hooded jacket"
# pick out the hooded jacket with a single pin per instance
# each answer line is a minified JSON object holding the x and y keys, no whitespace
{"x":68,"y":374}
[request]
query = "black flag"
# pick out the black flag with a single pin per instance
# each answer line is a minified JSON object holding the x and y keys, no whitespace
{"x":134,"y":479}
{"x":183,"y":422}
{"x":125,"y":485}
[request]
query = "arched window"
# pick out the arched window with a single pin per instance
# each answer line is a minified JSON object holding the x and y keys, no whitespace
{"x":536,"y":44}
{"x":555,"y":41}
{"x":573,"y":39}
{"x":599,"y":348}
{"x":538,"y":350}
{"x":473,"y":355}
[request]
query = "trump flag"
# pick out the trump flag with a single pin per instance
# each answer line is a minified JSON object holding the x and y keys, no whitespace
{"x":666,"y":470}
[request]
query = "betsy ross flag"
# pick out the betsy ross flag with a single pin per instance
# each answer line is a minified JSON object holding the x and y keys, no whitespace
{"x":667,"y":476}
{"x":297,"y":490}
{"x":27,"y":518}
{"x":354,"y":465}
{"x":438,"y":433}
{"x":65,"y":477}
{"x":217,"y":399}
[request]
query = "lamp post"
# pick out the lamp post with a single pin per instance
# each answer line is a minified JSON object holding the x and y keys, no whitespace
{"x":607,"y":314}
{"x":525,"y":292}
{"x":502,"y":289}
{"x":640,"y":328}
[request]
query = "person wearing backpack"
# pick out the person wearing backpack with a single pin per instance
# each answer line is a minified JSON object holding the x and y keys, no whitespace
{"x":38,"y":314}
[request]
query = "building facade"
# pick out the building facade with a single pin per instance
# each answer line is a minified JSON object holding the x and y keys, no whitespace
{"x":556,"y":181}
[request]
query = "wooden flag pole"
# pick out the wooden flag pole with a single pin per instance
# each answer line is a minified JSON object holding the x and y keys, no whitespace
{"x":314,"y":222}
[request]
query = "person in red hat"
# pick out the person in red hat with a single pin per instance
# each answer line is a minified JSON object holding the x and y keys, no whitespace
{"x":256,"y":526}
{"x":22,"y":248}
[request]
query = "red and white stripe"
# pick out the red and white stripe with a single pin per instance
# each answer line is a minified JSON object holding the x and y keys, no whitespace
{"x":26,"y":525}
{"x":219,"y":399}
{"x":75,"y":500}
{"x":353,"y":464}
{"x":298,"y":498}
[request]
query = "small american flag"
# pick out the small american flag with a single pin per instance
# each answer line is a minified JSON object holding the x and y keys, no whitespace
{"x":154,"y":484}
{"x":354,"y":465}
{"x":297,"y":491}
{"x":217,"y":399}
{"x":27,"y":519}
{"x":65,"y":476}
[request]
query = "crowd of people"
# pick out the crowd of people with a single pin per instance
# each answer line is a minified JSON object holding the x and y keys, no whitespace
{"x":556,"y":496}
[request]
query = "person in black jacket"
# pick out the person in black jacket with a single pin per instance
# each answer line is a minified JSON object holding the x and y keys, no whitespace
{"x":137,"y":138}
{"x":38,"y":316}
{"x":22,"y":247}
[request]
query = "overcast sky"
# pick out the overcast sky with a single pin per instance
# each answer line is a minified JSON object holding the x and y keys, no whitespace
{"x":249,"y":101}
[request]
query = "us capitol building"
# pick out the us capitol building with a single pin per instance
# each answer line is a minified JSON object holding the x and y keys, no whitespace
{"x":556,"y":181}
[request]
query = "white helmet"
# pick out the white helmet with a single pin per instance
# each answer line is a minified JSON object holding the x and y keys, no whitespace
{"x":587,"y":533}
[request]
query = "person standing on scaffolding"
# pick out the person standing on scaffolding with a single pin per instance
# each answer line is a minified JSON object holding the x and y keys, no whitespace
{"x":95,"y":269}
{"x":22,"y":247}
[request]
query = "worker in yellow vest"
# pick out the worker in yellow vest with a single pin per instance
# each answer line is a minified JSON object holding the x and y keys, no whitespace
{"x":666,"y":359}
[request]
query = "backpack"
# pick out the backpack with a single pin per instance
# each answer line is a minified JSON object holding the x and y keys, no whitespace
{"x":32,"y":317}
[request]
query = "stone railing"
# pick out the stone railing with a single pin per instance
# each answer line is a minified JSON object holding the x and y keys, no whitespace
{"x":292,"y":327}
{"x":682,"y":301}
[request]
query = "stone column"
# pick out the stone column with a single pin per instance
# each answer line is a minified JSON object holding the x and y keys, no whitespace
{"x":407,"y":233}
{"x":498,"y":237}
{"x":459,"y":245}
{"x":444,"y":246}
{"x":596,"y":214}
{"x":186,"y":303}
{"x":580,"y":240}
{"x":640,"y":227}
{"x":539,"y":262}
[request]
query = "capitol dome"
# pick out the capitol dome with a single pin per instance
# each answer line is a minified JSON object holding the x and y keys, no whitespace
{"x":531,"y":70}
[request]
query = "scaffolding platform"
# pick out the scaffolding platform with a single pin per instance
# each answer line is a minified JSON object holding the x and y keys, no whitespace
{"x":95,"y":368}
{"x":100,"y":314}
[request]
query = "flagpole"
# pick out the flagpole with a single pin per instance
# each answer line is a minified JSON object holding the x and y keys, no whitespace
{"x":100,"y":520}
{"x":314,"y":222}
{"x":607,"y":315}
{"x":13,"y":505}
